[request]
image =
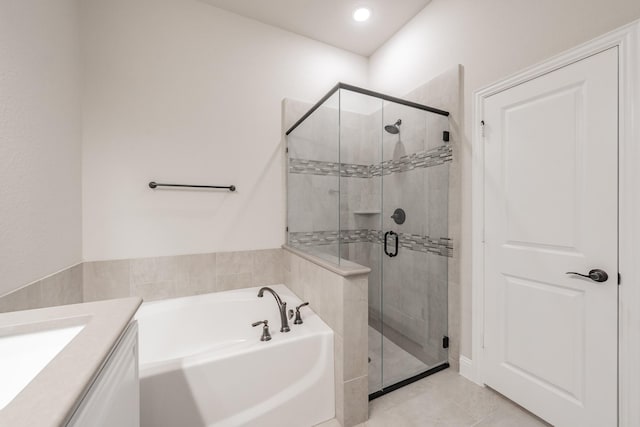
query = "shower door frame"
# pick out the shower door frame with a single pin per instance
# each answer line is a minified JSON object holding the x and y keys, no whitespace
{"x":367,"y":92}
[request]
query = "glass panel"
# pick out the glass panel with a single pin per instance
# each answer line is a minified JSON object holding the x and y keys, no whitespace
{"x":415,"y":214}
{"x":360,"y":204}
{"x":313,"y":183}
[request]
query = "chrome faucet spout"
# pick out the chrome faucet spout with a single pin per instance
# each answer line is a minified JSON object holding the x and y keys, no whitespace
{"x":282,"y":307}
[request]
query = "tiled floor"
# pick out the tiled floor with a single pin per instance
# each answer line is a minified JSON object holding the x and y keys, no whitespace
{"x":447,"y":399}
{"x":397,"y":363}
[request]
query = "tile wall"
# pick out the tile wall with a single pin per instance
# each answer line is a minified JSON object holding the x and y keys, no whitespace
{"x":170,"y":277}
{"x":341,"y":301}
{"x":445,"y":92}
{"x":64,"y":287}
{"x":150,"y":278}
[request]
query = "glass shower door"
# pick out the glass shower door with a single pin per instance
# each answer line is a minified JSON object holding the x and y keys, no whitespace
{"x":393,"y":184}
{"x":414,"y":244}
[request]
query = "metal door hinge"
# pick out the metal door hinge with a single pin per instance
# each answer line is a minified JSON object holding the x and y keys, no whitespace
{"x":445,"y":342}
{"x":445,"y":136}
{"x":619,"y":279}
{"x":286,"y":150}
{"x":286,"y":228}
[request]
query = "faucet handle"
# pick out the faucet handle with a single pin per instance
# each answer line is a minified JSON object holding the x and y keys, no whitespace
{"x":298,"y":320}
{"x":293,"y":312}
{"x":266,"y":336}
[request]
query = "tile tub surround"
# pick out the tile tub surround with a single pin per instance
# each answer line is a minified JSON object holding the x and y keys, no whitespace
{"x":61,"y":288}
{"x":150,"y":278}
{"x":183,"y":275}
{"x":339,"y":295}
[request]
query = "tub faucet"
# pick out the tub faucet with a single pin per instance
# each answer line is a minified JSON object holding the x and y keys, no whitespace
{"x":282,"y":307}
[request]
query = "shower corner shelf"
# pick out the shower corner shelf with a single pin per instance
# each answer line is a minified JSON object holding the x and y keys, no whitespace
{"x":367,"y":212}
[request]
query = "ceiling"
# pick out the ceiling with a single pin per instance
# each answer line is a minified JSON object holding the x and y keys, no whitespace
{"x":330,"y":21}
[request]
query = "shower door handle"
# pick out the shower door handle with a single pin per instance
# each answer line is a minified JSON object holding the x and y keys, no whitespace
{"x":386,"y":237}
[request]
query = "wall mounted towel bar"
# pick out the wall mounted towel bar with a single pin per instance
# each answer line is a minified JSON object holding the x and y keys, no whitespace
{"x":153,"y":184}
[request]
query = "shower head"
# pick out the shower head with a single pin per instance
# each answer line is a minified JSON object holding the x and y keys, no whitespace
{"x":394,"y":129}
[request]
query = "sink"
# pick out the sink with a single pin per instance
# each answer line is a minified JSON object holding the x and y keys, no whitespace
{"x":24,"y":355}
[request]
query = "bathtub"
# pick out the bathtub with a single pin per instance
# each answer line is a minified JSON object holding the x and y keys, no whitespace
{"x":202,"y":364}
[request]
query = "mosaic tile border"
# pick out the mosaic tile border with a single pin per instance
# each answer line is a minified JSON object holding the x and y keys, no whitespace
{"x":442,"y":246}
{"x":423,"y":159}
{"x":315,"y":167}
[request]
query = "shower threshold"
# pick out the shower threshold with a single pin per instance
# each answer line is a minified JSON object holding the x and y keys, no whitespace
{"x":401,"y":359}
{"x":408,"y":381}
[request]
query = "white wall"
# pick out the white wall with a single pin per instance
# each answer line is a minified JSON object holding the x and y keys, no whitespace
{"x":40,"y":195}
{"x":180,"y":91}
{"x":491,"y":39}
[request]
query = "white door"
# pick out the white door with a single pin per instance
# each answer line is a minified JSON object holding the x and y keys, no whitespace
{"x":551,"y":207}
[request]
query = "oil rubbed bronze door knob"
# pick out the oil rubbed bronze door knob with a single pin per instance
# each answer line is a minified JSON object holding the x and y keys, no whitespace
{"x":596,"y":275}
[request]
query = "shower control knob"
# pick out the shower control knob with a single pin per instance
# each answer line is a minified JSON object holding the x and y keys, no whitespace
{"x":399,"y":216}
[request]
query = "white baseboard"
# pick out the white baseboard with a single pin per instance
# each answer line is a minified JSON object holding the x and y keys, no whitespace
{"x":466,"y":368}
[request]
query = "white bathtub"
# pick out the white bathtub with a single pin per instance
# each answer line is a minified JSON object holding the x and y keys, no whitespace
{"x":202,"y":364}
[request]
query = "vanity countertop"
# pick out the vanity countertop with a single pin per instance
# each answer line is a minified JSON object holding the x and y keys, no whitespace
{"x":52,"y":396}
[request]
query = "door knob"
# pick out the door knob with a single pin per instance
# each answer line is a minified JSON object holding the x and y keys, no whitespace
{"x":596,"y":275}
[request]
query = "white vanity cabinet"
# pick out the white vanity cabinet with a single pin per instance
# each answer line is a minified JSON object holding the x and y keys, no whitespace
{"x":114,"y":396}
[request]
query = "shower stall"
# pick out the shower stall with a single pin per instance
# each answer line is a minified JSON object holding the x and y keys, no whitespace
{"x":368,"y":183}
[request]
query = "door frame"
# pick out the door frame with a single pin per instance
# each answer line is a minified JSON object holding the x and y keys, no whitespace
{"x":627,"y":39}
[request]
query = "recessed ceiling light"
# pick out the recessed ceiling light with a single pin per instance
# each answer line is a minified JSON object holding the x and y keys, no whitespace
{"x":361,"y":14}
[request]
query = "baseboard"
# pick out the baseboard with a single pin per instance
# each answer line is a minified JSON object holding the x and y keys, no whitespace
{"x":466,"y":368}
